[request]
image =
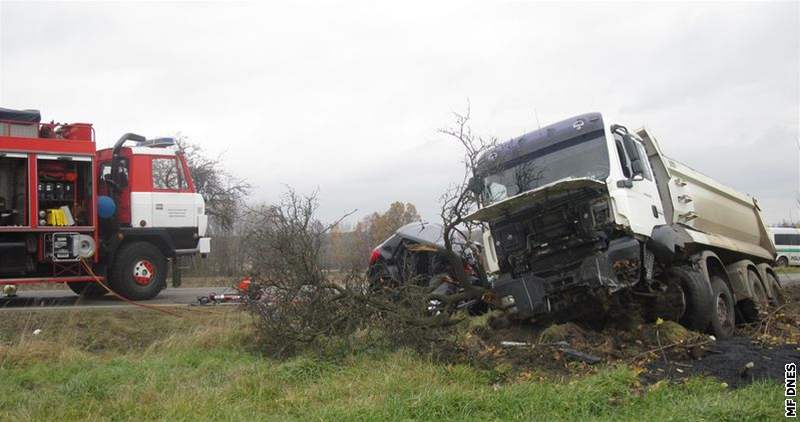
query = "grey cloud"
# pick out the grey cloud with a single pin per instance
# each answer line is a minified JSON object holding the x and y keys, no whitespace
{"x":347,"y":96}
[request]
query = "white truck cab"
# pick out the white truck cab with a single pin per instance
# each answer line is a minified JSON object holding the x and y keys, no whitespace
{"x":585,"y":208}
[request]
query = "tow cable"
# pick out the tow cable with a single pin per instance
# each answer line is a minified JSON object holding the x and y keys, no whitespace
{"x":99,"y":281}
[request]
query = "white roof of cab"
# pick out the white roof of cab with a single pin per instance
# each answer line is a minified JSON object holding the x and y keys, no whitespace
{"x":152,"y":151}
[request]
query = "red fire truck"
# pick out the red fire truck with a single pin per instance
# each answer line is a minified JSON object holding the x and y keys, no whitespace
{"x":117,"y":217}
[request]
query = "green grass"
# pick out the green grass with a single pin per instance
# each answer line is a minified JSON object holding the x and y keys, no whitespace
{"x":203,"y":367}
{"x":787,"y":269}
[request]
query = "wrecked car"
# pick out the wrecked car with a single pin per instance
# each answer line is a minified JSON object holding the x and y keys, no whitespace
{"x":416,"y":253}
{"x":585,"y":214}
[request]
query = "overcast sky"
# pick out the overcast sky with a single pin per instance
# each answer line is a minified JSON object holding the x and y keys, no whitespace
{"x":347,"y":96}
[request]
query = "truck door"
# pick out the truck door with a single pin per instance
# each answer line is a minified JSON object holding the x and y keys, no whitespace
{"x":644,"y":202}
{"x":172,"y":203}
{"x":123,"y":212}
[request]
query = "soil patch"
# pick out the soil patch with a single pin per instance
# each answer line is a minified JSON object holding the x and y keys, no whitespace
{"x":736,"y":361}
{"x":662,"y":349}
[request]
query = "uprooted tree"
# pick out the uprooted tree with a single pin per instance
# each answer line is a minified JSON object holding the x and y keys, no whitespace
{"x":462,"y":199}
{"x":300,"y":306}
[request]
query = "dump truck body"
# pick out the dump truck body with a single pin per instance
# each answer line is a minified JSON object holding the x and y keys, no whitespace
{"x":714,"y":215}
{"x":584,"y":209}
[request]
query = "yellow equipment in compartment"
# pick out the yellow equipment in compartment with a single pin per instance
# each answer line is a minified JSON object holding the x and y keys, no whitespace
{"x":56,"y":217}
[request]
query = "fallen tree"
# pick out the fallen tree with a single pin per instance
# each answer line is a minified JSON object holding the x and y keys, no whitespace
{"x":300,"y":306}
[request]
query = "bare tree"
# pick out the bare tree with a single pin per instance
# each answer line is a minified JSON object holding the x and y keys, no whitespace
{"x":222,"y":191}
{"x":462,"y":199}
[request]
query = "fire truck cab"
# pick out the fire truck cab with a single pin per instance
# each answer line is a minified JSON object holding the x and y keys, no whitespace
{"x":116,"y":217}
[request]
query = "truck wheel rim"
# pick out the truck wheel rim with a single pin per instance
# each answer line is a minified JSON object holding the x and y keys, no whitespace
{"x":143,"y":272}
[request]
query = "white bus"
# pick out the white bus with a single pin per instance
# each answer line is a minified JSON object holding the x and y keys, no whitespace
{"x":787,"y":242}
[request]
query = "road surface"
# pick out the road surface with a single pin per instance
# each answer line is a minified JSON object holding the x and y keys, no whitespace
{"x":183,"y":296}
{"x":59,"y":299}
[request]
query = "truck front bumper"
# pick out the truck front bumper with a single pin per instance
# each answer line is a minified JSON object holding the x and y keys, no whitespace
{"x":598,"y":275}
{"x":203,"y":248}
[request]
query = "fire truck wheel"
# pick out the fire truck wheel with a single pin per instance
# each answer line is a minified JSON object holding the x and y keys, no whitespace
{"x":87,"y":289}
{"x":139,"y":272}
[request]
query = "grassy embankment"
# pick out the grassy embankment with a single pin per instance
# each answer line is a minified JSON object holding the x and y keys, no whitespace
{"x":138,"y":364}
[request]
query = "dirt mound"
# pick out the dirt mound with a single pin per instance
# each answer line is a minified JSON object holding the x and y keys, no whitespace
{"x":570,"y":332}
{"x":663,"y":349}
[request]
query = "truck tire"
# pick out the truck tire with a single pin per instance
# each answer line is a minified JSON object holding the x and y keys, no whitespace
{"x":751,"y":308}
{"x":776,"y":296}
{"x":88,"y":289}
{"x":782,"y":262}
{"x":697,"y":297}
{"x":139,"y":271}
{"x":723,"y":317}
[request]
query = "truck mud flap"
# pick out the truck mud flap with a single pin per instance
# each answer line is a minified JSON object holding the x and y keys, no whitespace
{"x":529,"y":297}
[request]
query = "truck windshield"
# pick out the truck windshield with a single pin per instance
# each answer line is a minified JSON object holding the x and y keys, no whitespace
{"x":572,"y":158}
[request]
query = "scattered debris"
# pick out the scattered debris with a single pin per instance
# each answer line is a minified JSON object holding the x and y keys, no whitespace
{"x":215,"y":299}
{"x":515,"y":344}
{"x":244,"y":289}
{"x":584,"y":357}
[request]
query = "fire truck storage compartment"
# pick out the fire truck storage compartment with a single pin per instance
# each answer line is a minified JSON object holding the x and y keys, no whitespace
{"x":13,"y":189}
{"x":19,"y":123}
{"x":64,"y":190}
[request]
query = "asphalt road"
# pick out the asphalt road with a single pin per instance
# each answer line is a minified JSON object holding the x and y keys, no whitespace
{"x":59,"y":299}
{"x":183,"y":296}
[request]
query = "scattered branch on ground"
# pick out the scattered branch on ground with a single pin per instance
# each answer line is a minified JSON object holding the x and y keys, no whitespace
{"x":303,"y":307}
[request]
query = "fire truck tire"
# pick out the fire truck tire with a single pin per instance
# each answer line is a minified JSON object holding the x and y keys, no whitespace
{"x":87,"y":289}
{"x":139,"y":271}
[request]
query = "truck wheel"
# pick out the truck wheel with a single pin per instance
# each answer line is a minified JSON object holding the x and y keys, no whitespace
{"x":752,"y":308}
{"x":723,"y":312}
{"x":88,"y":289}
{"x":776,"y":296}
{"x":696,"y":295}
{"x":139,"y":272}
{"x":783,"y":262}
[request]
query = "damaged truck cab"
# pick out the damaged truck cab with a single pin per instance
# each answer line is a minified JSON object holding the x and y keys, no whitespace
{"x":585,"y":212}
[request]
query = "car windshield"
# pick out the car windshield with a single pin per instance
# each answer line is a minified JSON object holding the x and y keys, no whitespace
{"x":572,"y":158}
